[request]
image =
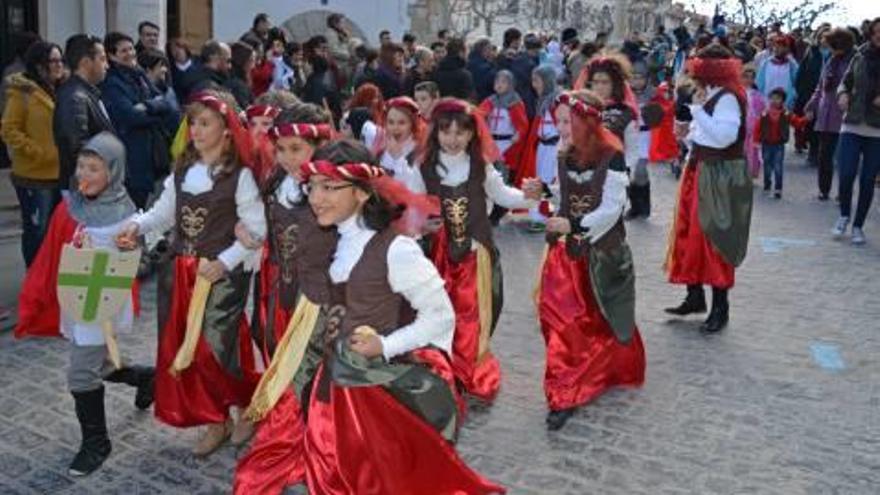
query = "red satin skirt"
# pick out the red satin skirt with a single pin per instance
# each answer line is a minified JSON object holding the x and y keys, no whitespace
{"x":202,"y":393}
{"x":269,"y":296}
{"x":277,"y":455}
{"x":363,"y":442}
{"x":584,"y":358}
{"x":692,"y":259}
{"x":480,"y":376}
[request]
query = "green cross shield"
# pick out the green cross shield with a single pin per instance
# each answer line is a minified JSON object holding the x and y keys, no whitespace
{"x":95,"y":284}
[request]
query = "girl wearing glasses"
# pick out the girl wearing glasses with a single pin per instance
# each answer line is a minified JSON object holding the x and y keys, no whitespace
{"x":383,"y":396}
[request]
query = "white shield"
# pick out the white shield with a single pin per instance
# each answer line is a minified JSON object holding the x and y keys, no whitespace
{"x":95,"y":284}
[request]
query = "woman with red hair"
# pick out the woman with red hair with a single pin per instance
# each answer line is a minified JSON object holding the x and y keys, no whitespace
{"x":710,"y":230}
{"x":586,"y":293}
{"x":370,"y":97}
{"x":402,"y":134}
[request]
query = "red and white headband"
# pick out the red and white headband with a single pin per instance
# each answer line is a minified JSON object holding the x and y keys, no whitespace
{"x":404,"y":102}
{"x":261,"y":111}
{"x":345,"y":171}
{"x":305,"y":131}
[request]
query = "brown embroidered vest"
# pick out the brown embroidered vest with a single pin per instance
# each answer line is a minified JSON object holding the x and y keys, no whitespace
{"x":464,"y":213}
{"x":302,"y":249}
{"x":367,"y":299}
{"x":205,"y":223}
{"x":734,"y":151}
{"x":580,"y":189}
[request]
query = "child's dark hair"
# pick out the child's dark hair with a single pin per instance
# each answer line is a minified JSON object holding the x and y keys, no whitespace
{"x":429,"y":87}
{"x":778,"y":92}
{"x":300,"y":113}
{"x":377,"y":213}
{"x":430,"y":159}
{"x":304,"y":113}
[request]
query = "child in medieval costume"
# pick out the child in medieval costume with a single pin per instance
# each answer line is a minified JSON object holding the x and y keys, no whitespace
{"x":403,"y":132}
{"x":539,"y":157}
{"x":609,"y":77}
{"x":664,"y":144}
{"x":643,"y":91}
{"x":457,"y":167}
{"x":382,"y":415}
{"x":205,"y":361}
{"x":293,"y":287}
{"x":586,"y":295}
{"x":507,"y":119}
{"x":710,"y":230}
{"x":90,"y":216}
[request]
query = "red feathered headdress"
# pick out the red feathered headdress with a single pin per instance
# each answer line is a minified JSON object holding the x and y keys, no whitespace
{"x":415,"y":208}
{"x":724,"y":72}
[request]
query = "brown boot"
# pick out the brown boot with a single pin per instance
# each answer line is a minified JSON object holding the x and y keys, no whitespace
{"x":212,"y":438}
{"x":242,"y":432}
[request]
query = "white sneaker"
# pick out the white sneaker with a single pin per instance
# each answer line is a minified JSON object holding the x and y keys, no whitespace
{"x":840,"y":227}
{"x":858,"y":237}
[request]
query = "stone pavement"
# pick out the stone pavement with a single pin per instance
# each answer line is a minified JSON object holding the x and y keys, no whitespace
{"x":785,"y":401}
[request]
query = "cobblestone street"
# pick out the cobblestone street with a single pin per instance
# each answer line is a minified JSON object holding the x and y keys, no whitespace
{"x":785,"y":401}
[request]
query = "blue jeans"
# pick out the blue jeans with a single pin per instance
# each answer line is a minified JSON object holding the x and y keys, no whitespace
{"x":37,"y":204}
{"x":853,"y":149}
{"x":773,"y":155}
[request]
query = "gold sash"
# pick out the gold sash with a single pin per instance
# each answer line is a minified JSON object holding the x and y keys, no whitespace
{"x":286,"y":360}
{"x":194,"y":317}
{"x":484,"y":296}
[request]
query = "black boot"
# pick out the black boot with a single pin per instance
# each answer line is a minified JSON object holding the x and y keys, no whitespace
{"x":646,"y":200}
{"x":632,"y":192}
{"x":142,"y":377}
{"x":557,"y":419}
{"x":95,"y":445}
{"x":718,"y":317}
{"x":694,"y":302}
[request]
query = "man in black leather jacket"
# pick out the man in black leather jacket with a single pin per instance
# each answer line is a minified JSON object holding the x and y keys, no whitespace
{"x":79,"y":113}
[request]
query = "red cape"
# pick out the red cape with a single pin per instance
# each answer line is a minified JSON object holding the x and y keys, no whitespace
{"x":520,"y":122}
{"x":664,"y":145}
{"x":38,"y":312}
{"x":529,"y":156}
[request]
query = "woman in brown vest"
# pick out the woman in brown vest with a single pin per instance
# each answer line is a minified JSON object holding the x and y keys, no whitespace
{"x":205,"y":362}
{"x":457,"y":167}
{"x":382,"y":414}
{"x":586,"y":296}
{"x":293,"y":287}
{"x":710,"y":230}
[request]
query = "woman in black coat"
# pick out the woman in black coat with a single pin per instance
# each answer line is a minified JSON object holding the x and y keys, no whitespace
{"x":452,"y":78}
